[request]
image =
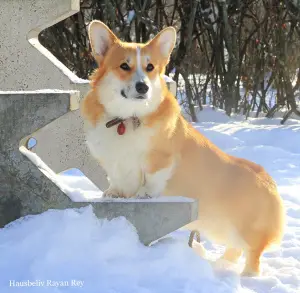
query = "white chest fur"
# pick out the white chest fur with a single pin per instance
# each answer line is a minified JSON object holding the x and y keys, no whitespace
{"x":123,"y":157}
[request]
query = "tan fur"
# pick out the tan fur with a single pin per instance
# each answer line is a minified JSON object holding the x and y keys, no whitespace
{"x":91,"y":109}
{"x":234,"y":194}
{"x":234,"y":189}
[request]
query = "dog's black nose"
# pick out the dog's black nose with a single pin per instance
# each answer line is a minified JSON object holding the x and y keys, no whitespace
{"x":141,"y":87}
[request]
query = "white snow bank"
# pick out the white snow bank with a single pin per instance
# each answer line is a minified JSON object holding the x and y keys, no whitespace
{"x":210,"y":114}
{"x":101,"y":256}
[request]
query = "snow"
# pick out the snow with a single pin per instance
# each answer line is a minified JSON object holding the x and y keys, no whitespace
{"x":107,"y":256}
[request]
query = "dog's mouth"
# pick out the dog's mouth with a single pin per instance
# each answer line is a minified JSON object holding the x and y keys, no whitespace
{"x":140,"y":97}
{"x":123,"y":94}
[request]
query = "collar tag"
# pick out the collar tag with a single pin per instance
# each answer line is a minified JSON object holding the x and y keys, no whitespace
{"x":121,"y":128}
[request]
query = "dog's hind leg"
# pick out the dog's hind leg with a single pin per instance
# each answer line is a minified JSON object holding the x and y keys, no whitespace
{"x":232,"y":254}
{"x":252,"y":266}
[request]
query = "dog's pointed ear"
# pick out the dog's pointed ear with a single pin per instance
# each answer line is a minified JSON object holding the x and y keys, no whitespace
{"x":101,"y":39}
{"x":164,"y":41}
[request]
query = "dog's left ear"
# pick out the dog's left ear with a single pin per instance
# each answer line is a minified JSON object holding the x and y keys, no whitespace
{"x":164,"y":41}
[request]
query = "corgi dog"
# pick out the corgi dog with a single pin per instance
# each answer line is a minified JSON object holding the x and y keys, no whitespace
{"x":135,"y":129}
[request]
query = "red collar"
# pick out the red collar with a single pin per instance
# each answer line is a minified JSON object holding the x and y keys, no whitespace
{"x":121,"y":125}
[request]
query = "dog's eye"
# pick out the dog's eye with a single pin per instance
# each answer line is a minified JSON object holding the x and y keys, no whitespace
{"x":149,"y":67}
{"x":125,"y":66}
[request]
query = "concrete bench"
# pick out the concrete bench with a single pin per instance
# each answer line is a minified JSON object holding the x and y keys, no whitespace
{"x":27,"y":188}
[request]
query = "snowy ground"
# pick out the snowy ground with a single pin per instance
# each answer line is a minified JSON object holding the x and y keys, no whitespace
{"x":61,"y":246}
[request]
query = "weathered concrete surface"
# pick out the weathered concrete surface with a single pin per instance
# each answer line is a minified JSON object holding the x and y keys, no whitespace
{"x":67,"y":148}
{"x":24,"y":189}
{"x":23,"y":67}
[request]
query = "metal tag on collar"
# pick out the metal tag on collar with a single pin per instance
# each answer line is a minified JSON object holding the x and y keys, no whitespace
{"x":136,"y":122}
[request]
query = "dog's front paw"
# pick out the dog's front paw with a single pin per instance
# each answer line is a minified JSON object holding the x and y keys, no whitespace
{"x":143,"y":193}
{"x":112,"y":193}
{"x":143,"y":196}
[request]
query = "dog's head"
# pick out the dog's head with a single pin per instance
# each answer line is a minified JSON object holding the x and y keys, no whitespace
{"x":129,"y":81}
